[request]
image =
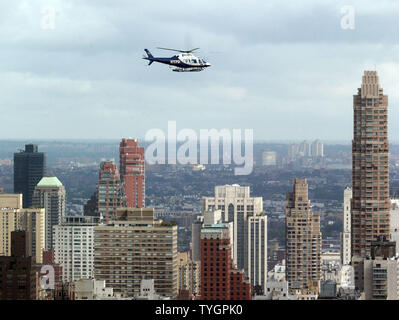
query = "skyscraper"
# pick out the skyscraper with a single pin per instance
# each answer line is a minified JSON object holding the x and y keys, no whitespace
{"x":303,"y":239}
{"x":50,"y":194}
{"x":132,"y":171}
{"x":370,"y":170}
{"x":236,"y":204}
{"x":110,"y":194}
{"x":29,"y":169}
{"x":256,"y":266}
{"x":346,"y":230}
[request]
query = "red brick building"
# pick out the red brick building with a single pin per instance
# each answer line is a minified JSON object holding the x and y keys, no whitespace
{"x":132,"y":172}
{"x":220,"y":280}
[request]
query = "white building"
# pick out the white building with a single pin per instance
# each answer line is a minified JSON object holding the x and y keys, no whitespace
{"x":269,"y":158}
{"x":317,"y":148}
{"x":73,"y":247}
{"x":256,"y":263}
{"x":394,"y":223}
{"x":90,"y":289}
{"x":235,"y":203}
{"x":346,"y":232}
{"x":50,"y":194}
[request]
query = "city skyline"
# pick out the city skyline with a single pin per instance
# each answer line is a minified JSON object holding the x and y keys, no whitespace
{"x":299,"y":66}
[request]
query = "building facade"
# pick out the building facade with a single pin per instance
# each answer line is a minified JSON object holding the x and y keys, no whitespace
{"x":74,"y":247}
{"x":29,"y":169}
{"x":346,"y":232}
{"x":235,"y":204}
{"x":50,"y":194}
{"x":14,"y":217}
{"x":188,"y":274}
{"x":370,"y":170}
{"x":220,"y":280}
{"x":110,"y":192}
{"x":17,"y":271}
{"x":132,"y":172}
{"x":256,"y":266}
{"x":303,"y":240}
{"x":134,"y":247}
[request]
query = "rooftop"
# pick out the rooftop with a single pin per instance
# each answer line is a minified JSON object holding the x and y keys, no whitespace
{"x":49,"y":182}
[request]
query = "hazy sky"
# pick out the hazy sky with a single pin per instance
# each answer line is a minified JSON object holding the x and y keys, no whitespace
{"x":287,"y":71}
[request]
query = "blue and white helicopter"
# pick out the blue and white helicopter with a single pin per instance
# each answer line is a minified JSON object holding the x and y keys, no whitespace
{"x":183,"y":62}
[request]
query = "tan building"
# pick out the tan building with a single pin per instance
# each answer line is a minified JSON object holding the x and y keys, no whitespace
{"x":189,"y":273}
{"x":303,"y":240}
{"x":370,"y":171}
{"x":133,"y":247}
{"x":13,"y":217}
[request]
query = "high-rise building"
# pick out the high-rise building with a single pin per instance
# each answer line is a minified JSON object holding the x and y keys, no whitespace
{"x":50,"y":194}
{"x":256,"y":266}
{"x":133,"y":247}
{"x":132,"y":172}
{"x":304,"y":149}
{"x":303,"y":239}
{"x":346,"y":230}
{"x":110,"y":193}
{"x":188,"y":274}
{"x":220,"y":280}
{"x":14,"y":217}
{"x":74,"y":247}
{"x":17,"y":271}
{"x":29,"y":169}
{"x":370,"y":171}
{"x":236,"y":204}
{"x":317,"y":149}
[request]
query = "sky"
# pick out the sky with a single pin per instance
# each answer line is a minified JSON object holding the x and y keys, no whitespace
{"x":286,"y":69}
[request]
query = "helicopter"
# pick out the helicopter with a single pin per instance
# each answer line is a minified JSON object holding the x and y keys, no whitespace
{"x":183,"y":62}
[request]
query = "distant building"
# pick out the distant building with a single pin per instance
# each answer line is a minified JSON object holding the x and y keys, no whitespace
{"x":110,"y":192}
{"x":73,"y":247}
{"x":140,"y":246}
{"x":220,"y":280}
{"x":269,"y":158}
{"x":304,"y":149}
{"x":50,"y":194}
{"x":29,"y":169}
{"x":17,"y":271}
{"x":303,"y":240}
{"x":317,"y":149}
{"x":14,"y":217}
{"x":132,"y":171}
{"x":91,"y":289}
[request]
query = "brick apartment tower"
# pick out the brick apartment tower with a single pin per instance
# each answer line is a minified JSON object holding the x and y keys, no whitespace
{"x":132,"y":171}
{"x":219,"y":279}
{"x":370,"y":171}
{"x":110,"y":194}
{"x":303,"y":239}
